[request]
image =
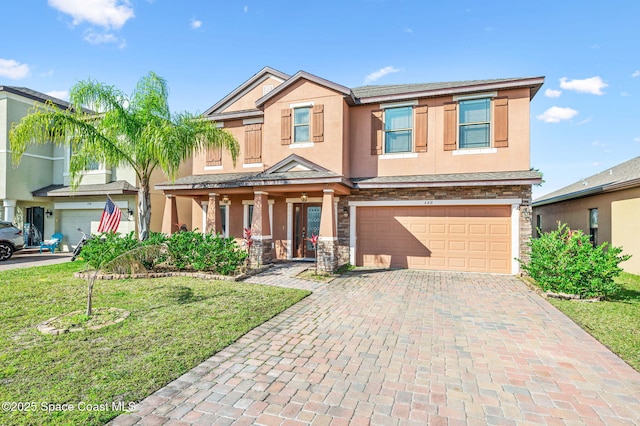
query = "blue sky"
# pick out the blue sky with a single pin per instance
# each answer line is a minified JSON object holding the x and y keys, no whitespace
{"x":582,"y":121}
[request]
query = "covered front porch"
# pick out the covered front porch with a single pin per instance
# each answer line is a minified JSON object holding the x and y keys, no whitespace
{"x":282,"y":211}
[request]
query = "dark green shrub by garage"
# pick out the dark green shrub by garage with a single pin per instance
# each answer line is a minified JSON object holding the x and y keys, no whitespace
{"x":565,"y":261}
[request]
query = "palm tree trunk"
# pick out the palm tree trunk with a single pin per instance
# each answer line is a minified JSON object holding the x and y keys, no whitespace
{"x":144,"y":209}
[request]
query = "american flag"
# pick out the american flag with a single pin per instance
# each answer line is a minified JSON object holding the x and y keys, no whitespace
{"x":110,"y":219}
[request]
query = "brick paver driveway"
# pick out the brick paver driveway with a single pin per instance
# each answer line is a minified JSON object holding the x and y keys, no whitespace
{"x":405,"y":347}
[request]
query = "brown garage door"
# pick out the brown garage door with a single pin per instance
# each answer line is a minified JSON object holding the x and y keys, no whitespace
{"x":460,"y":238}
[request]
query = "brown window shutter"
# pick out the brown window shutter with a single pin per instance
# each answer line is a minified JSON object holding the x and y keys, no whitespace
{"x":421,"y":128}
{"x":285,"y":126}
{"x":318,"y":123}
{"x":214,"y":157}
{"x":253,"y":143}
{"x":450,"y":126}
{"x":376,"y":132}
{"x":501,"y":122}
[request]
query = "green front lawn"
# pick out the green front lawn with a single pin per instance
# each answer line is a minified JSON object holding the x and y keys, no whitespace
{"x":175,"y":324}
{"x":615,"y":323}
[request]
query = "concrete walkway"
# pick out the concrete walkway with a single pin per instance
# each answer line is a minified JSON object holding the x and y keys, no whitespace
{"x":405,"y":347}
{"x":32,"y":257}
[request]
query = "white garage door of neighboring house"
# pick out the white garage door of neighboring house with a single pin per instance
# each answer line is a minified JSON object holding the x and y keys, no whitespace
{"x":460,"y":238}
{"x":71,"y":220}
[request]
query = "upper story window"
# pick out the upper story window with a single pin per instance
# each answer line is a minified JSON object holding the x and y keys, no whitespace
{"x":475,"y":123}
{"x":90,"y":164}
{"x":301,"y":124}
{"x":398,"y":129}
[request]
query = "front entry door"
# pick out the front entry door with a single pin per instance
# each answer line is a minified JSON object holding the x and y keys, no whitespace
{"x":34,"y":225}
{"x":306,"y":222}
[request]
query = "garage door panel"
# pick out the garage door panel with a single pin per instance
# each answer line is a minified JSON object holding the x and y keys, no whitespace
{"x":469,"y":238}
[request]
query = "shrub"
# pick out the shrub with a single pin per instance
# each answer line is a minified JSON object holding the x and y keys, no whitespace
{"x":184,"y":250}
{"x":565,"y":261}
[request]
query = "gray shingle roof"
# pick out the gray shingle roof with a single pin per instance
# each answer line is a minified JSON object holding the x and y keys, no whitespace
{"x":112,"y":188}
{"x":394,"y":89}
{"x":455,"y":179}
{"x":235,"y":180}
{"x":627,"y":172}
{"x":35,"y":95}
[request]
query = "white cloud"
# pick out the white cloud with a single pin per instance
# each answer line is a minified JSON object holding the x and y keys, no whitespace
{"x":246,"y":9}
{"x":60,"y":94}
{"x":625,"y":94}
{"x":408,"y":30}
{"x":551,"y":93}
{"x":593,"y":85}
{"x":12,"y":69}
{"x":104,"y":13}
{"x":636,"y":139}
{"x":585,"y":121}
{"x":379,"y":74}
{"x":100,"y":38}
{"x":195,"y":24}
{"x":557,"y":114}
{"x":596,"y":163}
{"x":636,"y":73}
{"x":598,"y":143}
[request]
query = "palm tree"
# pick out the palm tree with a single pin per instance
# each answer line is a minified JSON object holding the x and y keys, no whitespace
{"x":137,"y":130}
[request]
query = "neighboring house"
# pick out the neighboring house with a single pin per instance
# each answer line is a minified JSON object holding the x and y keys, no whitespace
{"x":36,"y":194}
{"x":427,"y":176}
{"x":604,"y":206}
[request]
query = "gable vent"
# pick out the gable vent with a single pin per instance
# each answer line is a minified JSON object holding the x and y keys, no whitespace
{"x":266,"y":89}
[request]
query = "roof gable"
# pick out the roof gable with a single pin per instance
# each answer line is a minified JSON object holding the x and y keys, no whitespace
{"x":294,"y":163}
{"x":253,"y":82}
{"x":303,"y":75}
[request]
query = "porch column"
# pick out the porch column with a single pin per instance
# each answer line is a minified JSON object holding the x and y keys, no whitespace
{"x":328,"y":238}
{"x":9,"y":210}
{"x":214,"y":220}
{"x":262,"y":248}
{"x":170,"y":216}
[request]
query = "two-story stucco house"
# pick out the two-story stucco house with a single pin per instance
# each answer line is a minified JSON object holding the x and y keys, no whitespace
{"x":36,"y":194}
{"x":426,"y":176}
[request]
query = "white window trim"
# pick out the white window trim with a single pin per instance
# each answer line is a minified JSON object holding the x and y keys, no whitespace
{"x":398,"y":104}
{"x":467,"y":151}
{"x":475,"y":96}
{"x":515,"y":219}
{"x":301,"y":105}
{"x":252,"y":165}
{"x":249,"y":121}
{"x":398,"y":155}
{"x":205,"y":209}
{"x":213,"y":167}
{"x":296,"y":145}
{"x":245,"y":214}
{"x":101,"y":170}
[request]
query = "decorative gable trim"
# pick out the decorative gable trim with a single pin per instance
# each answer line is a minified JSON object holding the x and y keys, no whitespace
{"x":303,"y":75}
{"x":245,"y":87}
{"x":294,"y":162}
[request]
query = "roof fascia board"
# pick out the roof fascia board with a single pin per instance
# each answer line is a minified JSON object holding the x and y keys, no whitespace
{"x":533,"y":84}
{"x":245,"y":87}
{"x":295,"y":158}
{"x":20,"y":94}
{"x":567,"y":197}
{"x":235,"y":115}
{"x":263,"y":182}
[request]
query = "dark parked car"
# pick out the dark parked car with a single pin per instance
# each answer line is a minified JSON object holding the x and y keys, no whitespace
{"x":11,"y":240}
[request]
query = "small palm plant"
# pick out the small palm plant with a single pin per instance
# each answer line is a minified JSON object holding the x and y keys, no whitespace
{"x":313,"y":239}
{"x":247,"y":240}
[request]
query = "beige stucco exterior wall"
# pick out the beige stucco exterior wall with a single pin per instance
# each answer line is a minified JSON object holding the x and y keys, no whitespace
{"x":328,"y":154}
{"x":436,"y":160}
{"x":625,"y":229}
{"x":575,"y":213}
{"x":248,"y":100}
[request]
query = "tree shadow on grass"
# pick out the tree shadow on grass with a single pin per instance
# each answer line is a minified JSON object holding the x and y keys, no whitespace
{"x":626,"y":296}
